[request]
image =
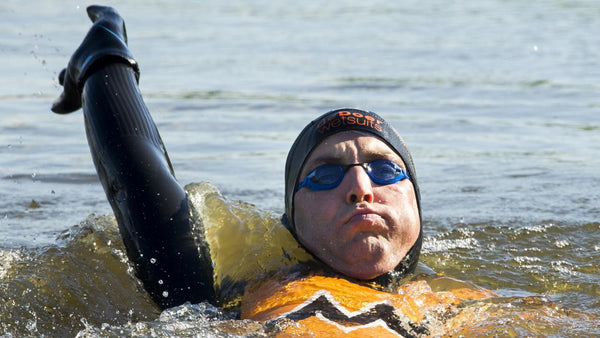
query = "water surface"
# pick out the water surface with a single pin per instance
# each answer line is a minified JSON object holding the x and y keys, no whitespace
{"x":498,"y":101}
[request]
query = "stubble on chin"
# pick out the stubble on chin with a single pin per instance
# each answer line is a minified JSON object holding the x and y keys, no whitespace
{"x":368,"y":252}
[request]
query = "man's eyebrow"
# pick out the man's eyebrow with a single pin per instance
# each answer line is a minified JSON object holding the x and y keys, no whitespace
{"x":370,"y":155}
{"x":327,"y":158}
{"x":367,"y":155}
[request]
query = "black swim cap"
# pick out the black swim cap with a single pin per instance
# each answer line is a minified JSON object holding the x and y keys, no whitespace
{"x":332,"y":123}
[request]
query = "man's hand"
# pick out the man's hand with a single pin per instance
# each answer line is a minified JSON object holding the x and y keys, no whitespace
{"x":105,"y":43}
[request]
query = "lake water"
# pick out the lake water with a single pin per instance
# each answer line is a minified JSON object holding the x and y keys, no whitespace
{"x":498,"y":102}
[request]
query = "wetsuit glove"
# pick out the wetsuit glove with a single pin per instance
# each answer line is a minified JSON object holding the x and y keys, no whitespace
{"x":105,"y":43}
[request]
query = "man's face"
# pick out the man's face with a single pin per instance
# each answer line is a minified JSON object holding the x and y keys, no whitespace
{"x":358,"y":228}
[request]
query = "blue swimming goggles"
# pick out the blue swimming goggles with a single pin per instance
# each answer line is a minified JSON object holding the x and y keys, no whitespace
{"x":329,"y":176}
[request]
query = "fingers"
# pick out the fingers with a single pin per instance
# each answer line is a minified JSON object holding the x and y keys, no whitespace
{"x":61,"y":76}
{"x":106,"y":42}
{"x":60,"y":106}
{"x":69,"y":100}
{"x":57,"y":105}
{"x":109,"y":18}
{"x":65,"y":105}
{"x":95,"y":12}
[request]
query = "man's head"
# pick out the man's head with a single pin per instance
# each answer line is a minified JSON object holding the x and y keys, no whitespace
{"x":361,"y":226}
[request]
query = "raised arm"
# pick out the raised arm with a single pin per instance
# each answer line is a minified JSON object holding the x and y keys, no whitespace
{"x":150,"y":206}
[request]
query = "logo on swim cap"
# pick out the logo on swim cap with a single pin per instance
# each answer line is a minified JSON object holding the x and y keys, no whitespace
{"x":347,"y":118}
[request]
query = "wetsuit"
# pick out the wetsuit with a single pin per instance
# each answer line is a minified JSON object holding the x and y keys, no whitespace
{"x":150,"y":206}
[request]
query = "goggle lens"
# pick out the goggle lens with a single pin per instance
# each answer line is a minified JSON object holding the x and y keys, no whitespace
{"x":329,"y":176}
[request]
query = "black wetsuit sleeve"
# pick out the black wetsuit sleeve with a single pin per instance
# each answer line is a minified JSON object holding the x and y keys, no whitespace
{"x":150,"y":206}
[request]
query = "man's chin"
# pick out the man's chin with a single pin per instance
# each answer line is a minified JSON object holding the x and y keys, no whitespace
{"x":367,"y":258}
{"x":366,"y":274}
{"x":366,"y":269}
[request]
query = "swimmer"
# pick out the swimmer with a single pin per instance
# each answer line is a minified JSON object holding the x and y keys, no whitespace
{"x":351,"y":193}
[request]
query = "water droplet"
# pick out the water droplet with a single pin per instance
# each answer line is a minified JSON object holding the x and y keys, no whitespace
{"x":160,"y":281}
{"x":165,"y":294}
{"x":152,"y":260}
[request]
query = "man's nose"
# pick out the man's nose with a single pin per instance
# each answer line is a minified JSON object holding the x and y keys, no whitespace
{"x":359,"y":186}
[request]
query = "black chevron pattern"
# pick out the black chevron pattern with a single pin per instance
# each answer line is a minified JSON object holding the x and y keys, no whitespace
{"x":323,"y":306}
